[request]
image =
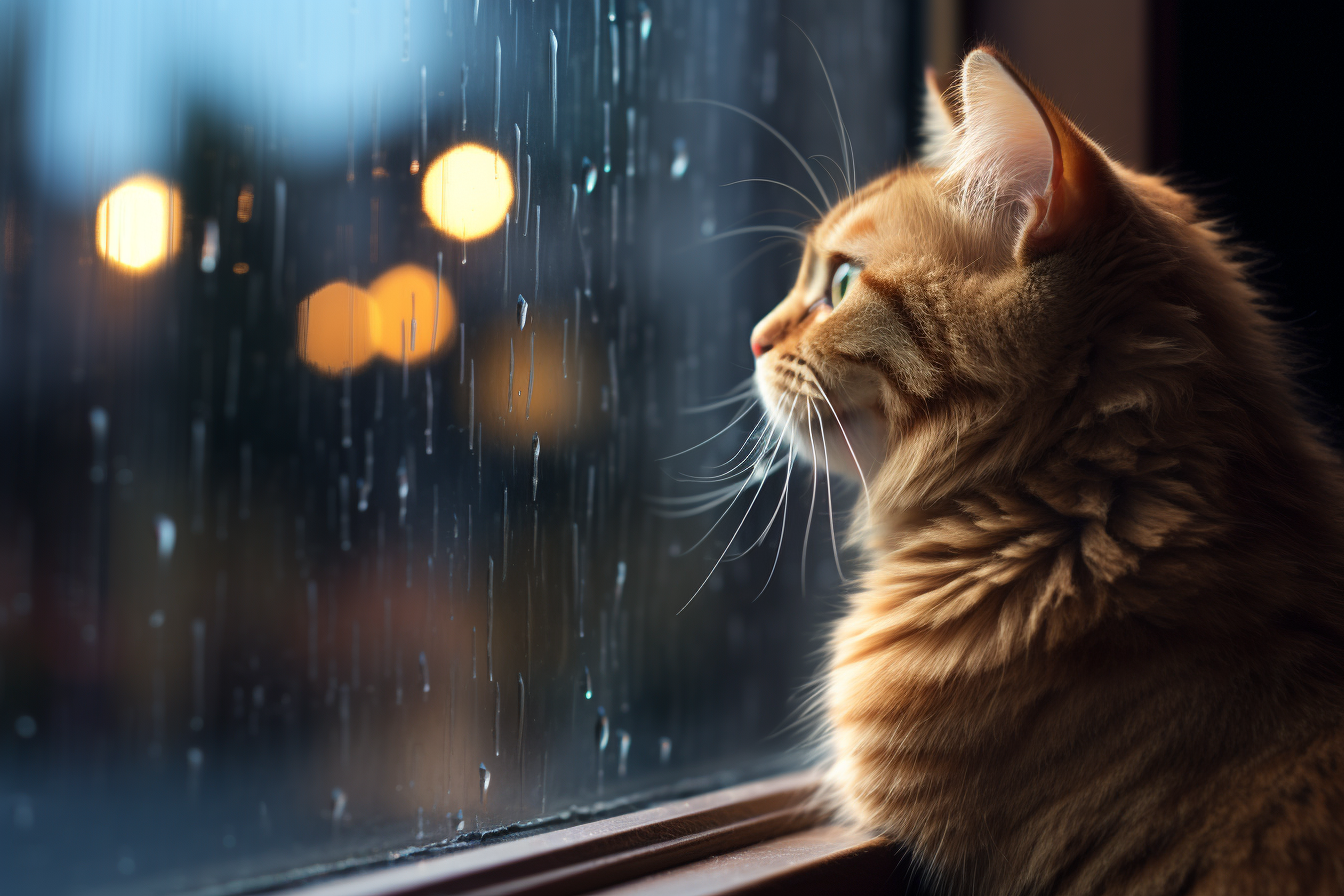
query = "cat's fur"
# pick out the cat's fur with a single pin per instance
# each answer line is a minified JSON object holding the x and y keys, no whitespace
{"x":1098,"y":645}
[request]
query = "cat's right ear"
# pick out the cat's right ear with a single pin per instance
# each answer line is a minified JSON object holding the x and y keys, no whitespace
{"x":938,"y":124}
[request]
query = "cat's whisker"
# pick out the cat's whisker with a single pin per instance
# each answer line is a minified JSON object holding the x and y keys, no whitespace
{"x":834,"y":183}
{"x":746,"y":409}
{"x":736,"y":393}
{"x":782,"y":502}
{"x":745,"y":516}
{"x":727,"y":493}
{"x":770,"y":424}
{"x":778,"y":183}
{"x":783,"y":527}
{"x":758,"y":472}
{"x":767,"y":245}
{"x":811,"y":507}
{"x":816,"y":381}
{"x":758,"y":228}
{"x":716,"y":404}
{"x":846,"y":147}
{"x":777,"y":135}
{"x":830,"y":504}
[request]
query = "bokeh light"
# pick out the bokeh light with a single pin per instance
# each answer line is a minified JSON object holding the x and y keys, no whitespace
{"x":339,"y":327}
{"x":467,"y":191}
{"x":405,"y":299}
{"x":139,"y":223}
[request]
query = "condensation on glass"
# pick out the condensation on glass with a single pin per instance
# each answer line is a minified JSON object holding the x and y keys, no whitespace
{"x":339,"y":346}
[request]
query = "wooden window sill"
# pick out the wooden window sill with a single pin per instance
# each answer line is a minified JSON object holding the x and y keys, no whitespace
{"x":753,"y":838}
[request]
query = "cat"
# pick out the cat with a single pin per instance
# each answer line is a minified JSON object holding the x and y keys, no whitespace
{"x":1097,"y":645}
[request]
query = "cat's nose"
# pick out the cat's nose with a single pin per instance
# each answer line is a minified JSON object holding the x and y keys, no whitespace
{"x":758,"y":349}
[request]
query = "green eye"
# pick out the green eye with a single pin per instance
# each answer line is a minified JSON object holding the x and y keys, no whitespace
{"x":844,"y":278}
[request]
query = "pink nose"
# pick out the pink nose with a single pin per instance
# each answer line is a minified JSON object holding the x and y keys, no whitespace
{"x":757,"y":349}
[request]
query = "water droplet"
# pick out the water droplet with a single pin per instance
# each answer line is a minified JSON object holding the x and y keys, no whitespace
{"x":338,"y":803}
{"x":589,"y":175}
{"x":606,"y":118}
{"x":195,"y":758}
{"x":424,"y":673}
{"x":555,"y":48}
{"x":645,"y":21}
{"x":664,"y":750}
{"x":623,"y":741}
{"x":536,"y":462}
{"x":98,"y":424}
{"x":165,"y":533}
{"x":25,"y":726}
{"x":156,"y":619}
{"x":680,"y":158}
{"x":403,"y":489}
{"x":485,"y":786}
{"x":587,"y":684}
{"x":522,"y":311}
{"x":420,"y":827}
{"x":603,"y":730}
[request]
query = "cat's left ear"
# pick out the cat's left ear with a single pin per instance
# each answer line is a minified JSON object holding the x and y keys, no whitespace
{"x":1014,"y":147}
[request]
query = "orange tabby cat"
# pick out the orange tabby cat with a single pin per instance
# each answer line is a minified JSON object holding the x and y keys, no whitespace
{"x":1098,"y":646}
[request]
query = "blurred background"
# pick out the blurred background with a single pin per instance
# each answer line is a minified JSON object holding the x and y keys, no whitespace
{"x":343,"y":344}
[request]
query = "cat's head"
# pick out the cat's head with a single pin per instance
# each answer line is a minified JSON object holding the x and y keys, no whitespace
{"x":943,"y":312}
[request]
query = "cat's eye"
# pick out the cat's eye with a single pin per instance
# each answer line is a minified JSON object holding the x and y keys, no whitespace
{"x":844,"y":278}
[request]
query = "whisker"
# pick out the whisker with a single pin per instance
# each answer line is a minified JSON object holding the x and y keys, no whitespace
{"x":717,"y":403}
{"x":728,"y":493}
{"x":746,"y":409}
{"x":811,"y":508}
{"x":857,"y":466}
{"x":769,"y":425}
{"x":782,"y":502}
{"x":782,"y":139}
{"x":783,"y":526}
{"x":778,"y":183}
{"x":766,"y":245}
{"x":733,"y":538}
{"x":757,"y":228}
{"x":830,"y":504}
{"x":845,"y":147}
{"x":834,"y":182}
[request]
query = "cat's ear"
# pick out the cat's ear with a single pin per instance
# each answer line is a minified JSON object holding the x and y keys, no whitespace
{"x":1013,"y":147}
{"x":938,"y":123}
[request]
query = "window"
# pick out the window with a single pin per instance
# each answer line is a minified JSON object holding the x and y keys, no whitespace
{"x":341,"y":342}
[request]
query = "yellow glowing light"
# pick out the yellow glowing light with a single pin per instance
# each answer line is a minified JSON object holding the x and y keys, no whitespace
{"x":139,"y":223}
{"x":405,"y":299}
{"x":339,"y":326}
{"x":241,"y":267}
{"x":467,"y":191}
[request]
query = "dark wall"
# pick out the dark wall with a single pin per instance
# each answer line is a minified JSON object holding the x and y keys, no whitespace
{"x":1243,"y":116}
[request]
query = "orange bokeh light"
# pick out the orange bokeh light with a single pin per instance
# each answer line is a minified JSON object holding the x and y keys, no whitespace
{"x":406,"y":299}
{"x":339,"y":328}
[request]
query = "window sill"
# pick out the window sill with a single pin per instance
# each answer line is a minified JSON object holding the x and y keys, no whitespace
{"x":753,"y":838}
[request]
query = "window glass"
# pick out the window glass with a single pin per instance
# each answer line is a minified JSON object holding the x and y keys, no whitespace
{"x":342,"y":349}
